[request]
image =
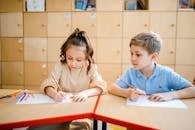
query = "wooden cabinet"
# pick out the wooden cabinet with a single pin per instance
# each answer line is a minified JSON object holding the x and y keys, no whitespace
{"x":11,"y":24}
{"x":109,"y":24}
{"x":135,"y":22}
{"x":185,"y":24}
{"x":126,"y":55}
{"x":163,"y":5}
{"x":167,"y":54}
{"x":109,"y":72}
{"x":110,"y":45}
{"x":35,"y":49}
{"x":11,"y":5}
{"x":59,"y":24}
{"x":109,"y":5}
{"x":85,"y":21}
{"x":185,"y":52}
{"x":12,"y":49}
{"x":54,"y":45}
{"x":163,"y":23}
{"x":58,"y":5}
{"x":35,"y":24}
{"x":12,"y":73}
{"x":187,"y":72}
{"x":35,"y":73}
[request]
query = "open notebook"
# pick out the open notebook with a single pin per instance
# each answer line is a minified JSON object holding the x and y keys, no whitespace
{"x":143,"y":101}
{"x":41,"y":98}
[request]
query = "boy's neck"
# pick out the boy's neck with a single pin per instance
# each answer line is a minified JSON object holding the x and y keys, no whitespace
{"x":149,"y":70}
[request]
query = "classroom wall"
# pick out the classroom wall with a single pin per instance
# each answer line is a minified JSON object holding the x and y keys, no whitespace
{"x":30,"y":41}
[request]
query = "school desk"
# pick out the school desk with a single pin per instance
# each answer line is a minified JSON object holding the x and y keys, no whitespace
{"x":14,"y":115}
{"x":113,"y":109}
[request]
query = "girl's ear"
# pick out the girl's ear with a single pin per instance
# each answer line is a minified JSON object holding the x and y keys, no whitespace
{"x":155,"y":56}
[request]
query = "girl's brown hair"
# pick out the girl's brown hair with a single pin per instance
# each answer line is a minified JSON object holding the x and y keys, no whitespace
{"x":80,"y":39}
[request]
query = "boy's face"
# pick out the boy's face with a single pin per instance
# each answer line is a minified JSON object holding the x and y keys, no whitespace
{"x":140,"y":58}
{"x":75,"y":57}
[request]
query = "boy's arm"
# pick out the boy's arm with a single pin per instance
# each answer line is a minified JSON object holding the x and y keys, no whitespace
{"x":188,"y":92}
{"x":117,"y":90}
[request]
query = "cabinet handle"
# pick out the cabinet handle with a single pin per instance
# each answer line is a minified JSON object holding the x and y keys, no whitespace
{"x":20,"y":49}
{"x":18,"y":25}
{"x":20,"y":73}
{"x":44,"y":74}
{"x":92,"y":25}
{"x":67,"y":25}
{"x":172,"y":25}
{"x":118,"y":25}
{"x":42,"y":25}
{"x":43,"y":49}
{"x":172,"y":52}
{"x":145,"y":25}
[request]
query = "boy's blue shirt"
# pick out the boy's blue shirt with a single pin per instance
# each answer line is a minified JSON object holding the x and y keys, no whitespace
{"x":163,"y":79}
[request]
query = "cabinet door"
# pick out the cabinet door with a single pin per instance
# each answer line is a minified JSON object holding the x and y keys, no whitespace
{"x":187,"y":71}
{"x":134,"y":23}
{"x":109,"y":72}
{"x":59,"y":24}
{"x":185,"y":51}
{"x":58,"y":5}
{"x":54,"y":45}
{"x":109,"y":5}
{"x":35,"y":24}
{"x":109,"y":24}
{"x":35,"y":49}
{"x":109,"y":50}
{"x":11,"y":24}
{"x":11,"y":5}
{"x":185,"y":25}
{"x":12,"y":49}
{"x":163,"y":5}
{"x":85,"y":21}
{"x":167,"y":53}
{"x":164,"y":23}
{"x":12,"y":73}
{"x":37,"y":75}
{"x":126,"y":55}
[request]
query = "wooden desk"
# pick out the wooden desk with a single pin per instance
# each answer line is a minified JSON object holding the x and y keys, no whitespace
{"x":13,"y":115}
{"x":113,"y":109}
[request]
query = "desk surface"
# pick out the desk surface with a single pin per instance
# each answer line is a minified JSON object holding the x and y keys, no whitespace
{"x":113,"y":109}
{"x":20,"y":115}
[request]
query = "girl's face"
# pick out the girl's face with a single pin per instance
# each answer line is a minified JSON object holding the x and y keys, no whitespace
{"x":140,"y":58}
{"x":75,"y":57}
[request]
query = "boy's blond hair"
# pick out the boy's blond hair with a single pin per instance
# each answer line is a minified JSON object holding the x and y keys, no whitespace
{"x":149,"y":40}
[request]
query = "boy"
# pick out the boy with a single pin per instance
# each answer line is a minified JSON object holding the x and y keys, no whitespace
{"x":147,"y":77}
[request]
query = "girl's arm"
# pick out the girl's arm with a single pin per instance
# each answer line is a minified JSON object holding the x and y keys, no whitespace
{"x":188,"y":92}
{"x":57,"y":96}
{"x":83,"y":95}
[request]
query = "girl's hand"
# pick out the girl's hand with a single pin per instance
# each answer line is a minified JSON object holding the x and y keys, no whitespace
{"x":59,"y":96}
{"x":135,"y":93}
{"x":79,"y":97}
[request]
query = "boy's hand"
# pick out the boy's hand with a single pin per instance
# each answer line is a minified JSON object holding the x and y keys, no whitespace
{"x":135,"y":93}
{"x":160,"y":97}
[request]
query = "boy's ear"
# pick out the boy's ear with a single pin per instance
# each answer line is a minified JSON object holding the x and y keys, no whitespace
{"x":155,"y":56}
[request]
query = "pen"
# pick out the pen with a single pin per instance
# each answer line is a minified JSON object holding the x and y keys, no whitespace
{"x":56,"y":81}
{"x":7,"y":96}
{"x":22,"y":97}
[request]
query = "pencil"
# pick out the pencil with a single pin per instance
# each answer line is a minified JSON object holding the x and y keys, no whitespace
{"x":52,"y":74}
{"x":129,"y":85}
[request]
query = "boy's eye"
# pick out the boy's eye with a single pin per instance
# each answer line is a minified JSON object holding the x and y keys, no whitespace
{"x":138,"y":55}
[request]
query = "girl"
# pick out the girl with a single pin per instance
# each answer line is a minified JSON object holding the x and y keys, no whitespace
{"x":76,"y":72}
{"x":75,"y":76}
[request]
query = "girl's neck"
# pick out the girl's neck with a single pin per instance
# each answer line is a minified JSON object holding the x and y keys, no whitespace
{"x":149,"y":70}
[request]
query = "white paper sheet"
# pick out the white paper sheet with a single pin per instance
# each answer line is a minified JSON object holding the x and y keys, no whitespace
{"x":143,"y":101}
{"x":41,"y":98}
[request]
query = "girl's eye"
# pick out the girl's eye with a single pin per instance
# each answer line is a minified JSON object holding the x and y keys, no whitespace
{"x":138,"y":55}
{"x":69,"y":58}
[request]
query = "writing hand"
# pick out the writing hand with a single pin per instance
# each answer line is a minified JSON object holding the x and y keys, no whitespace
{"x":135,"y":93}
{"x":59,"y":96}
